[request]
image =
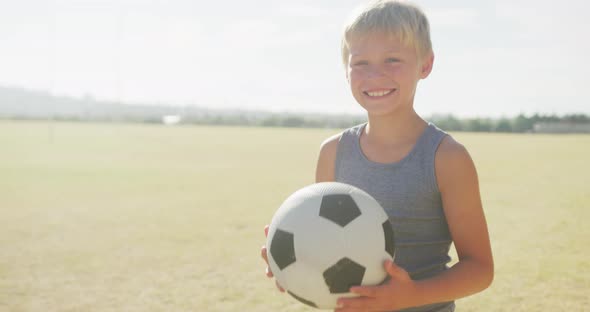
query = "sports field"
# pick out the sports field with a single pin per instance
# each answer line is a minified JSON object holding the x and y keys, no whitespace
{"x":102,"y":217}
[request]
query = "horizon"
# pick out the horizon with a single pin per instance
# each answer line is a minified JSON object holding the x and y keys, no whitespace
{"x":509,"y":57}
{"x":230,"y":110}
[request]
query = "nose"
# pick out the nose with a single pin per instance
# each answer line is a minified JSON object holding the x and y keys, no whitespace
{"x":374,"y":72}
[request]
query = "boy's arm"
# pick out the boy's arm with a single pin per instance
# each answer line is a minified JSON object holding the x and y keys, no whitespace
{"x":327,"y":159}
{"x":459,"y":187}
{"x":458,"y":184}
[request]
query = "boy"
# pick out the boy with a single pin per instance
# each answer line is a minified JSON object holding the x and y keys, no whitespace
{"x":424,"y":179}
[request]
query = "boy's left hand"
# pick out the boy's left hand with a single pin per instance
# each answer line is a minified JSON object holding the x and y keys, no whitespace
{"x":397,"y":293}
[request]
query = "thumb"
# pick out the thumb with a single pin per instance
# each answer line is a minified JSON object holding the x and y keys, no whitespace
{"x":396,"y":272}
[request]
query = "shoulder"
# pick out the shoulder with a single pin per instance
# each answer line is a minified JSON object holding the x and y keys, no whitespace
{"x":327,"y":158}
{"x":450,"y":149}
{"x":330,"y":145}
{"x":452,"y":162}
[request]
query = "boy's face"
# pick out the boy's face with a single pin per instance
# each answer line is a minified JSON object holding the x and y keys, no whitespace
{"x":383,"y":72}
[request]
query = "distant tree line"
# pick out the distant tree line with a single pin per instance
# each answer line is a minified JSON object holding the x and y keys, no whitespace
{"x":518,"y":124}
{"x":288,"y":120}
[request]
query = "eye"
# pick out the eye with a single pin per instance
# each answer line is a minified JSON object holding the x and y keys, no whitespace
{"x":360,"y":63}
{"x":391,"y":60}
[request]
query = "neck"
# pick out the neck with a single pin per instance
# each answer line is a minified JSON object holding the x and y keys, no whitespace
{"x":395,"y":128}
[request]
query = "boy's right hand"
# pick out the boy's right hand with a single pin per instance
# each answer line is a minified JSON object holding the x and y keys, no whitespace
{"x":265,"y":257}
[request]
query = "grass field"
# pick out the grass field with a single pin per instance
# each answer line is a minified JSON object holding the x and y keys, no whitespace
{"x":100,"y":217}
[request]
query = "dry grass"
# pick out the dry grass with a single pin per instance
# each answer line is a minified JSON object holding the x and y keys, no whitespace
{"x":98,"y":217}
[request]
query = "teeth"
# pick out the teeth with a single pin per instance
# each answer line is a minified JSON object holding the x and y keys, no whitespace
{"x":378,"y":93}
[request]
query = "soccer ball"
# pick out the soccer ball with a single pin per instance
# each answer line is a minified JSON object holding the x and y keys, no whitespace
{"x":325,"y":238}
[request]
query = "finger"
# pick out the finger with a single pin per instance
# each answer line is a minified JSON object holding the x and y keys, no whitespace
{"x":395,"y":271}
{"x":265,"y":257}
{"x":268,"y":272}
{"x":266,"y":230}
{"x":263,"y":253}
{"x":281,"y":289}
{"x":356,"y":304}
{"x":365,"y":291}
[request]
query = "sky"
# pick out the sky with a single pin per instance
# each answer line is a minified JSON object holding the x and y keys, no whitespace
{"x":492,"y":58}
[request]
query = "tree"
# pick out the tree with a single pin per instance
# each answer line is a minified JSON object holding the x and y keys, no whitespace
{"x":503,"y":125}
{"x":522,"y":124}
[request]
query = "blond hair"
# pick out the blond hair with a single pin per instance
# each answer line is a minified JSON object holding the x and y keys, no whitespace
{"x":398,"y":18}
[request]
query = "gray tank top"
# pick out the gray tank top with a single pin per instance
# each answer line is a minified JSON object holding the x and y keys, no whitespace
{"x":408,"y":192}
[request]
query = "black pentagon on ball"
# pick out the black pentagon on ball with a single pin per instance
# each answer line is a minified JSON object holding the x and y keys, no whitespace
{"x":339,"y":208}
{"x":282,"y":248}
{"x":343,"y":275}
{"x":309,"y":303}
{"x":389,"y":238}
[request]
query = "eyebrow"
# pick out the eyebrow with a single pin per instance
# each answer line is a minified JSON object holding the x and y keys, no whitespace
{"x":388,"y":52}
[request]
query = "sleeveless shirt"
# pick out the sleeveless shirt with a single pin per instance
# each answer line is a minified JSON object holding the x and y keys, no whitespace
{"x":408,"y":192}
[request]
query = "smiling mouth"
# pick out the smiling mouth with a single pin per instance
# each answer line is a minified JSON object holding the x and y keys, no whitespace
{"x":379,"y":93}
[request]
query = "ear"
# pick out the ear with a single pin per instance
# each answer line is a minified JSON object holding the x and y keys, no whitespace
{"x":426,"y":67}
